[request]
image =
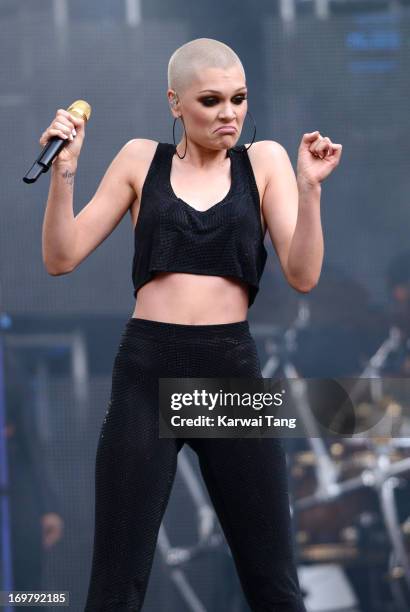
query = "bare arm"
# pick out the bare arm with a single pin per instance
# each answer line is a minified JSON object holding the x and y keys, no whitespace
{"x":69,"y":239}
{"x":292,"y":213}
{"x":58,"y":225}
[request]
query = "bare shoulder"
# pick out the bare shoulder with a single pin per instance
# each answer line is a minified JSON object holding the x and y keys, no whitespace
{"x":141,"y":153}
{"x":141,"y":148}
{"x":263,"y":153}
{"x":264,"y":156}
{"x":274,"y":164}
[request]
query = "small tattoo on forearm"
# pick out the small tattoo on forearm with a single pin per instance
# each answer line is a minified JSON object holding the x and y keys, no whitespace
{"x":69,"y":177}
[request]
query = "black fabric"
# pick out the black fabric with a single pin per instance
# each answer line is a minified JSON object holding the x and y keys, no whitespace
{"x":246,"y":478}
{"x":173,"y":236}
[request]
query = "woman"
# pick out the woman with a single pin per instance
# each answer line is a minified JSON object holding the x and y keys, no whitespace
{"x":200,"y":211}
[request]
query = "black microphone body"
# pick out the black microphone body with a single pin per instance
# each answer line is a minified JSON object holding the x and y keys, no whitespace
{"x":45,"y":159}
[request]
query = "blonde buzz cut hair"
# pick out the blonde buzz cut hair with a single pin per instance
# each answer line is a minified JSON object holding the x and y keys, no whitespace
{"x":192,"y":57}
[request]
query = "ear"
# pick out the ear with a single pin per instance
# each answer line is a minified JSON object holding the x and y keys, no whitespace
{"x":173,"y":98}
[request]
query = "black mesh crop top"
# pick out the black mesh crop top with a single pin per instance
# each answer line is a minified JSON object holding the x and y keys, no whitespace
{"x":224,"y":240}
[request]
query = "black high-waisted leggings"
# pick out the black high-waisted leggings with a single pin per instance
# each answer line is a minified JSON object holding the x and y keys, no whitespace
{"x":246,"y":477}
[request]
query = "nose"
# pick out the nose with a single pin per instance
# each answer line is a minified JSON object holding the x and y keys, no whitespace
{"x":227,"y":113}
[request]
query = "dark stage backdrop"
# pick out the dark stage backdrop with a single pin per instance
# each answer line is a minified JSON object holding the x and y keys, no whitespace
{"x":345,"y":75}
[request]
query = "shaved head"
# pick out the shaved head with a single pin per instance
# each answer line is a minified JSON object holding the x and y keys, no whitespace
{"x":187,"y":61}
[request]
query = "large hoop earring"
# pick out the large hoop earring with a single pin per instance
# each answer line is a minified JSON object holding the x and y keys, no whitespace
{"x":173,"y":136}
{"x":253,"y":137}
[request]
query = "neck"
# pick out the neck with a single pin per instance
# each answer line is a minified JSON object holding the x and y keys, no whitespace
{"x":201,"y":156}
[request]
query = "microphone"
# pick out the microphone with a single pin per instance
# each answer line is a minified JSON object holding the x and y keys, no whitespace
{"x":80,"y":109}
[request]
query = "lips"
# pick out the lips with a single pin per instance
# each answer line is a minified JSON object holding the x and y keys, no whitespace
{"x":228,"y":129}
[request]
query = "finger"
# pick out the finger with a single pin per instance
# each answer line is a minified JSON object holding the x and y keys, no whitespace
{"x":64,"y":117}
{"x":76,"y":122}
{"x":323,"y":147}
{"x":311,"y":135}
{"x":58,"y":132}
{"x":317,"y":148}
{"x":327,"y":146}
{"x":336,"y":147}
{"x":64,"y":113}
{"x":64,"y":127}
{"x":338,"y":150}
{"x":324,"y":150}
{"x":315,"y":139}
{"x":63,"y":120}
{"x":51,"y":132}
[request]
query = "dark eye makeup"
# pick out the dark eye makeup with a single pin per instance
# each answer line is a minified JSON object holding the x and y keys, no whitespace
{"x":210,"y":100}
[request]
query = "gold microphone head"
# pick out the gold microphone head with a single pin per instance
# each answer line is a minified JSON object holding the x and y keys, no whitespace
{"x":81,"y":108}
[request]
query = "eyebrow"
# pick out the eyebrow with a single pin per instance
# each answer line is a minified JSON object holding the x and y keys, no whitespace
{"x":218,"y":92}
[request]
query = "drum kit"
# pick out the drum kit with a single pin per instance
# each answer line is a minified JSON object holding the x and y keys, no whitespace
{"x":350,"y":495}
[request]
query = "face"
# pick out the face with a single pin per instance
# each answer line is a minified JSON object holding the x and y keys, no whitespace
{"x":217,"y":98}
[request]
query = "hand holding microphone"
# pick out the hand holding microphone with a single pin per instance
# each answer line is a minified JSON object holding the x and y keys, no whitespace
{"x":69,"y":128}
{"x":62,"y":140}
